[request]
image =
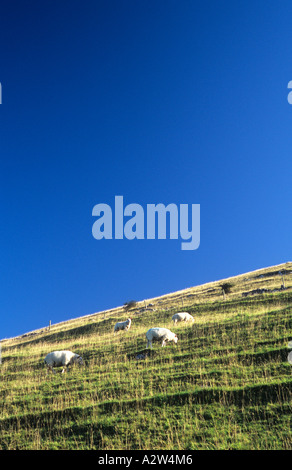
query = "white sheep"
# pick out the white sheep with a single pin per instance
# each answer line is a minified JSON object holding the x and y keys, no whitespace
{"x":123,"y":325}
{"x":62,"y":358}
{"x":160,"y":334}
{"x":182,"y":316}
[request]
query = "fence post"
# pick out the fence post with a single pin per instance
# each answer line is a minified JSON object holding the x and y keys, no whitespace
{"x":283,"y":282}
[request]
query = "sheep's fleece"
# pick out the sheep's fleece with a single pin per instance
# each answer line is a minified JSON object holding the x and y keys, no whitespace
{"x":160,"y":334}
{"x":182,"y":316}
{"x":62,"y":358}
{"x":123,"y":325}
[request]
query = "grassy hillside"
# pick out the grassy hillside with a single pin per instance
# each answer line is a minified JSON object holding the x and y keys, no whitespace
{"x":225,"y":385}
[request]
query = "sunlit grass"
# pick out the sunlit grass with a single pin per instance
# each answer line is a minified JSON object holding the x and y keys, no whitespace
{"x":225,"y":385}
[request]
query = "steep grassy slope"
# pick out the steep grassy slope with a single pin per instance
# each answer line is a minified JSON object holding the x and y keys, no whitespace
{"x":225,"y":385}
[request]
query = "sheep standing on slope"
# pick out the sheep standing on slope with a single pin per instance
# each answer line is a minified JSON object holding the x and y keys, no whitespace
{"x":62,"y":358}
{"x":123,"y":325}
{"x":160,"y":334}
{"x":182,"y":316}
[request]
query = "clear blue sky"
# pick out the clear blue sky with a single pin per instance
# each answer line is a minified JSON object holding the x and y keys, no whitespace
{"x":158,"y":101}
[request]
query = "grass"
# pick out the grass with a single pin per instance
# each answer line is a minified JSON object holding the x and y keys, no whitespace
{"x":225,"y":385}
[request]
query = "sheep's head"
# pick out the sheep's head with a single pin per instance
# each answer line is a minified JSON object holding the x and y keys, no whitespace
{"x":175,"y":339}
{"x":79,"y":360}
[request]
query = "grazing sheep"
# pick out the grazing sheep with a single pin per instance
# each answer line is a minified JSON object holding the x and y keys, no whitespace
{"x":123,"y":325}
{"x":182,"y":316}
{"x":160,"y":334}
{"x":62,"y":358}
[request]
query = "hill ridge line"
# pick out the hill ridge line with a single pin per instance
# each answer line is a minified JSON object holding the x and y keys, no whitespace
{"x":163,"y":296}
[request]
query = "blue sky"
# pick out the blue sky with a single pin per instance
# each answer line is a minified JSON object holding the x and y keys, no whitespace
{"x":161,"y":102}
